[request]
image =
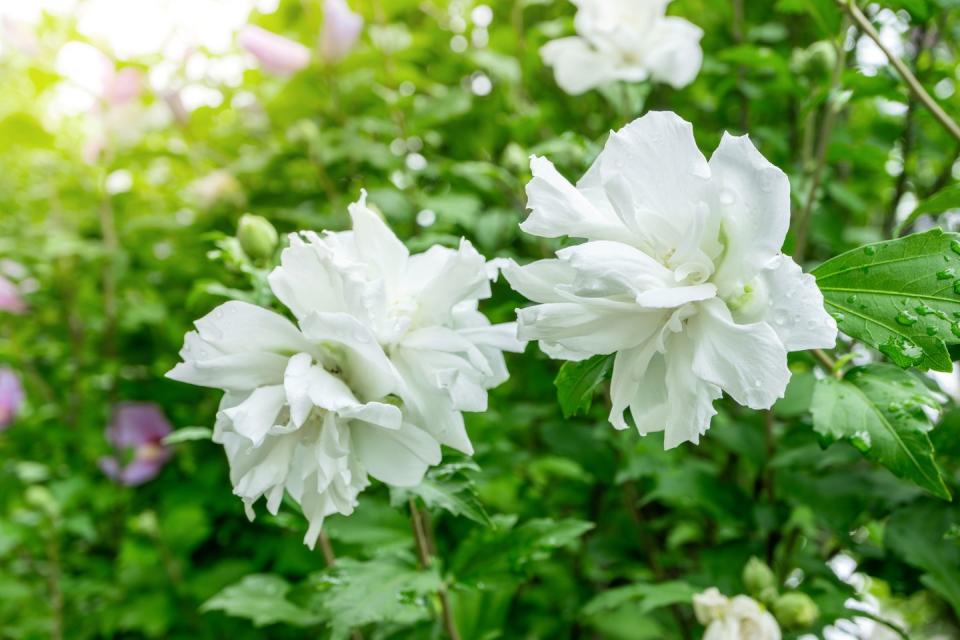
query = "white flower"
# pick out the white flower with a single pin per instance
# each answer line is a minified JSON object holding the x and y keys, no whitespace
{"x":341,"y":29}
{"x":681,"y":276}
{"x":631,"y":40}
{"x":387,"y":350}
{"x":741,"y":618}
{"x":422,"y":309}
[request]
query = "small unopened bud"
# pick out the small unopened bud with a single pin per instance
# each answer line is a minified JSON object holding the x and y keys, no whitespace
{"x":795,"y":610}
{"x":257,"y":237}
{"x":757,"y":576}
{"x":818,"y":59}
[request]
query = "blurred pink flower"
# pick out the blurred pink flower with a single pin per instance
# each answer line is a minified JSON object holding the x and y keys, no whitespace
{"x":341,"y":28}
{"x":136,"y":433}
{"x":11,"y":397}
{"x":10,"y":299}
{"x":276,"y":54}
{"x":120,"y":87}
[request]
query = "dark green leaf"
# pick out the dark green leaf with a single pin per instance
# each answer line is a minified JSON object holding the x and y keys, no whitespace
{"x":577,"y":382}
{"x":880,"y":410}
{"x":900,"y":296}
{"x":648,"y":596}
{"x":447,"y":487}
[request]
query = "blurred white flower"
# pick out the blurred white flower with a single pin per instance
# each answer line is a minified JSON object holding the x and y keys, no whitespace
{"x":626,"y":40}
{"x":387,"y":350}
{"x":341,"y":29}
{"x":275,"y":53}
{"x":681,"y":275}
{"x":740,"y":618}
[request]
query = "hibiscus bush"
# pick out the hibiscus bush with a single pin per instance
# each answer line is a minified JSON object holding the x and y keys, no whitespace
{"x":479,"y":319}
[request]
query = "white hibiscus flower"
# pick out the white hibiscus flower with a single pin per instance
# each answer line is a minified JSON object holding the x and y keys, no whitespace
{"x":422,"y":309}
{"x":387,"y":351}
{"x":631,"y":40}
{"x":681,"y":276}
{"x":740,"y":618}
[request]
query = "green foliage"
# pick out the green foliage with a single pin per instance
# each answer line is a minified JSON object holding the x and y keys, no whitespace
{"x":262,"y":599}
{"x":939,"y":202}
{"x":901,"y":297}
{"x":880,"y":410}
{"x":647,"y":596}
{"x":577,"y":383}
{"x":447,"y":487}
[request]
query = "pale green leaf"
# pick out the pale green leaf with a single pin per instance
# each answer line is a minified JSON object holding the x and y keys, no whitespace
{"x":261,"y":598}
{"x":647,"y":596}
{"x":577,"y":382}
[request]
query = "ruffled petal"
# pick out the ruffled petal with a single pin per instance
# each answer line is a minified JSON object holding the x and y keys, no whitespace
{"x":399,"y":457}
{"x":796,"y":311}
{"x":254,"y":417}
{"x":577,"y":67}
{"x":674,"y":55}
{"x":748,"y":361}
{"x":690,"y":398}
{"x":754,"y":198}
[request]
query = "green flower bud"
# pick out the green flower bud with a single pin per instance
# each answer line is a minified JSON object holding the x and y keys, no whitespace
{"x":822,"y":57}
{"x":257,"y":237}
{"x":796,"y":610}
{"x":768,"y":595}
{"x":757,"y":576}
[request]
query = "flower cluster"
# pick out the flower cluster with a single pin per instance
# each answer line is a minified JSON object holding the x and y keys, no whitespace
{"x":387,"y":350}
{"x":625,"y":40}
{"x":681,"y":276}
{"x":739,"y":618}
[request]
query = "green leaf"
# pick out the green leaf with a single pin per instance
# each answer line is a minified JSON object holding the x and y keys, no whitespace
{"x":577,"y":382}
{"x":447,"y":487}
{"x":391,"y":589}
{"x":922,"y":534}
{"x":260,"y":598}
{"x":187,"y":434}
{"x":899,"y":296}
{"x":648,"y":596}
{"x":879,"y":409}
{"x":943,"y":200}
{"x":506,"y":550}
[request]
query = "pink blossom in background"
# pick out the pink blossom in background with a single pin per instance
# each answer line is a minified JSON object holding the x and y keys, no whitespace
{"x":136,"y":433}
{"x":341,"y":29}
{"x":10,"y":299}
{"x":11,"y":397}
{"x":120,"y":87}
{"x":275,"y":53}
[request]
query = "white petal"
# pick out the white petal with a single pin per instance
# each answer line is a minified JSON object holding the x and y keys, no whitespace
{"x":674,"y":297}
{"x":296,"y":384}
{"x":462,"y":276}
{"x":607,"y":268}
{"x":367,"y":369}
{"x":629,"y":379}
{"x":558,"y":209}
{"x":305,"y":282}
{"x":538,"y":280}
{"x":674,"y":54}
{"x":748,"y":361}
{"x":796,"y":310}
{"x":400,"y":457}
{"x":690,"y":398}
{"x":668,"y":175}
{"x":576,"y":65}
{"x":502,"y":337}
{"x":376,"y":243}
{"x":586,"y":330}
{"x":255,"y":416}
{"x":240,"y":327}
{"x":238,"y":371}
{"x":380,"y":414}
{"x":754,"y":197}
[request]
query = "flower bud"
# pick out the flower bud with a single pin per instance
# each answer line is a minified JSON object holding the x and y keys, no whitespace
{"x":816,"y":60}
{"x":257,"y":236}
{"x":757,"y":576}
{"x":796,"y":610}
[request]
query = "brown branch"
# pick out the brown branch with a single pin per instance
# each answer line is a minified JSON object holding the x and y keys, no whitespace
{"x":911,"y":80}
{"x":422,"y":538}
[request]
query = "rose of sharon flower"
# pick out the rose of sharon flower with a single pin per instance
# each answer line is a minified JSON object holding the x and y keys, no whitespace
{"x":277,"y":54}
{"x":387,"y":351}
{"x":740,"y":618}
{"x":341,"y":28}
{"x":10,"y":299}
{"x":11,"y":397}
{"x":681,"y":276}
{"x":136,"y":432}
{"x":631,"y":40}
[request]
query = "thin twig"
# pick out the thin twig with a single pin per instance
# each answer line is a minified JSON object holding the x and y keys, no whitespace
{"x":423,"y":553}
{"x":864,"y":23}
{"x":890,"y":220}
{"x":330,"y":560}
{"x":823,"y":142}
{"x":824,"y":359}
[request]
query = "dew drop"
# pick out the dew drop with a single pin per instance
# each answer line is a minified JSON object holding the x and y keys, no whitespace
{"x":839,"y":317}
{"x":955,"y":328}
{"x":946,"y":274}
{"x":955,"y":246}
{"x":852,"y":299}
{"x":726,"y":197}
{"x":956,"y":286}
{"x":932,"y":330}
{"x":870,"y":250}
